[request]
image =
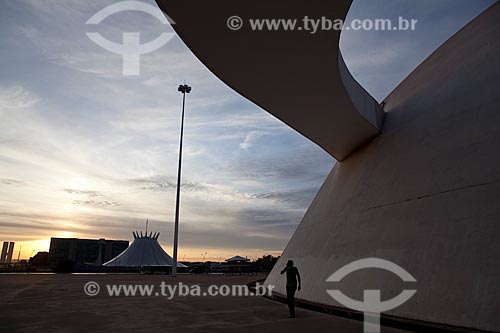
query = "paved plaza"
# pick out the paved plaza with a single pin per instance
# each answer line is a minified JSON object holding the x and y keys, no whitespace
{"x":57,"y":303}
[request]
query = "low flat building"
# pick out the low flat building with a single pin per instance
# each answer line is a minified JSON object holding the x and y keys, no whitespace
{"x":84,"y":251}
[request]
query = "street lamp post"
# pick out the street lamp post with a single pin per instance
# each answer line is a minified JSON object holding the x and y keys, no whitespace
{"x":183,"y":89}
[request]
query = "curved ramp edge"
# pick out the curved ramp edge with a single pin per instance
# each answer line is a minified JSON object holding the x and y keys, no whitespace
{"x":297,"y":76}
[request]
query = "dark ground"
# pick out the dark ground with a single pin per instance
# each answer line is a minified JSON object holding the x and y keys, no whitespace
{"x":57,"y":303}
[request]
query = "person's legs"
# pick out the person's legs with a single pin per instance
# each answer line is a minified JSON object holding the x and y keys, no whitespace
{"x":290,"y":296}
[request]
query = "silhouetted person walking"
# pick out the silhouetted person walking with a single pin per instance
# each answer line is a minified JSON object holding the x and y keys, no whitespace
{"x":292,"y":275}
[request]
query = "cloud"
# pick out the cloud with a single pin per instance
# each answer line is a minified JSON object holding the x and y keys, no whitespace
{"x":16,"y":97}
{"x":299,"y":199}
{"x":204,"y":190}
{"x":81,"y":192}
{"x":93,"y":198}
{"x":251,"y":138}
{"x":96,"y":203}
{"x":13,"y":182}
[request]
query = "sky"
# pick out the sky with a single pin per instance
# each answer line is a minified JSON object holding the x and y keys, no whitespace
{"x":87,"y":152}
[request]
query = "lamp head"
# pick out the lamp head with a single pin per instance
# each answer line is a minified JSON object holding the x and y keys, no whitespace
{"x":184,"y":88}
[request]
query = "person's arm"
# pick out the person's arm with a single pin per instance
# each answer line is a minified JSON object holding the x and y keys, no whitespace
{"x":298,"y":276}
{"x":283,"y":271}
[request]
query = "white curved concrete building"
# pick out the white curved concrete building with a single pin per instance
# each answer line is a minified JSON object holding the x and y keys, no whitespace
{"x":423,"y":191}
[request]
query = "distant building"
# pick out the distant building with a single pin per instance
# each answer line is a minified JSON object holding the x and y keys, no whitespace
{"x":238,"y":265}
{"x":7,"y":252}
{"x":4,"y":252}
{"x":40,"y":259}
{"x":84,"y":251}
{"x":144,"y":251}
{"x":237,"y":260}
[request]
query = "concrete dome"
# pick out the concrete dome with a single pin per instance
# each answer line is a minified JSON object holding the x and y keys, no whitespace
{"x":144,"y":251}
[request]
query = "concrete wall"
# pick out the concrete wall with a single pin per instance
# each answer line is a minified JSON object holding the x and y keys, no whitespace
{"x":424,"y":194}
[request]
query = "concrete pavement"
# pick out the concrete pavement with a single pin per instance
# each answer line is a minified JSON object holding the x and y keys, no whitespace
{"x":57,"y":303}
